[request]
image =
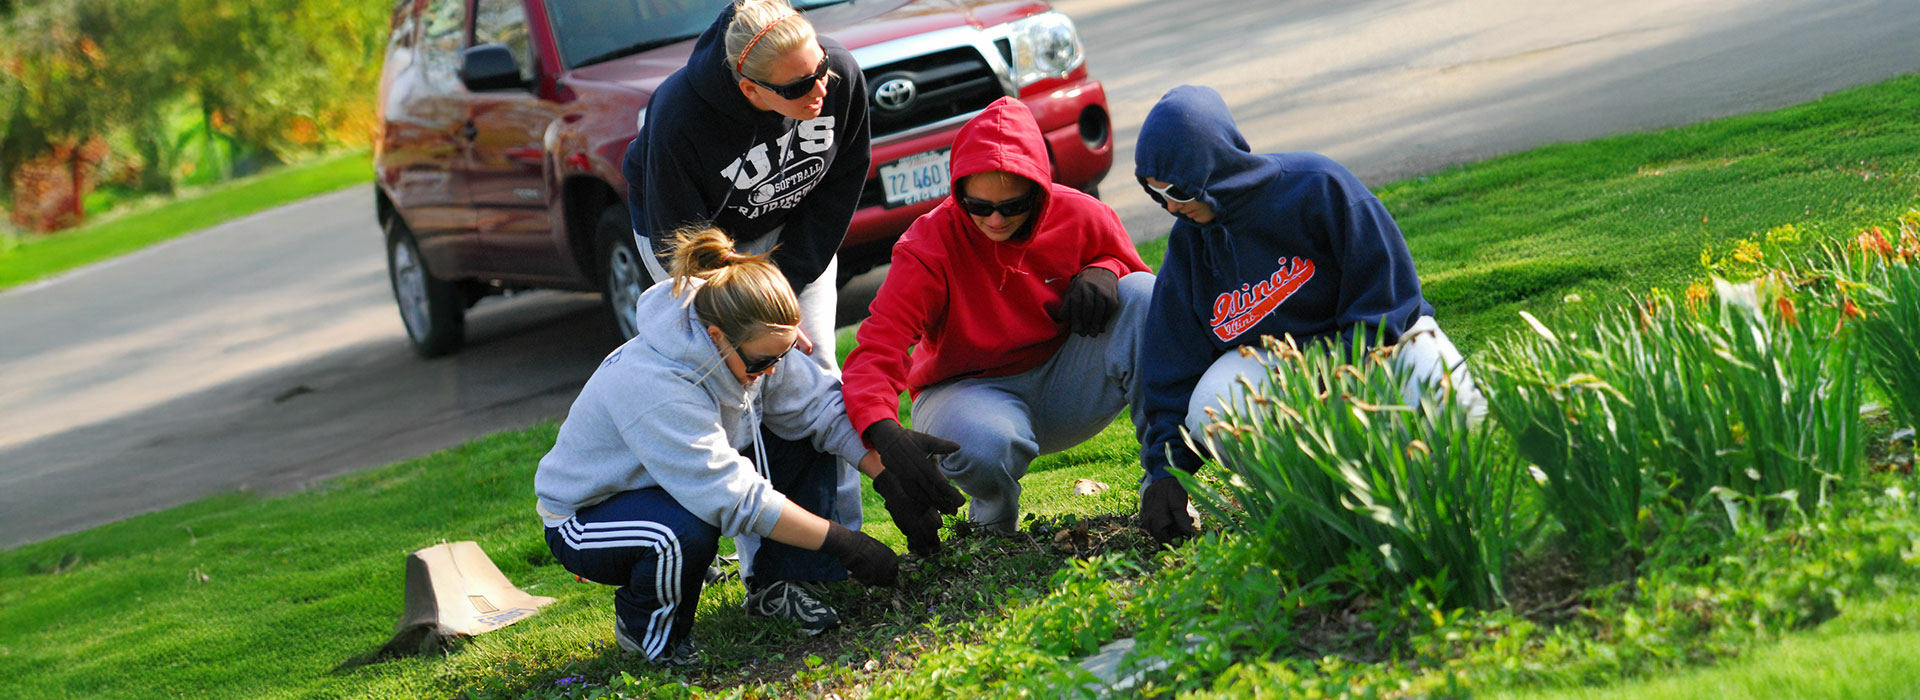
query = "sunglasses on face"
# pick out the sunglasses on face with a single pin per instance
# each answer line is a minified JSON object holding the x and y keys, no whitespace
{"x":798,"y":88}
{"x":1171,"y":192}
{"x":756,"y":365}
{"x":1008,"y":208}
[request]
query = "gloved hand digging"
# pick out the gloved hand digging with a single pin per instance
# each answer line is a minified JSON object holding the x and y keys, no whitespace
{"x":918,"y":521}
{"x":1163,"y":512}
{"x":1093,"y":297}
{"x":866,"y":559}
{"x":913,"y":487}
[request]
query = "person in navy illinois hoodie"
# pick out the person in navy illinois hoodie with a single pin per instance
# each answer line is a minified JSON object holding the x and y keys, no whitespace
{"x":763,"y":135}
{"x":1022,"y":301}
{"x":1285,"y":244}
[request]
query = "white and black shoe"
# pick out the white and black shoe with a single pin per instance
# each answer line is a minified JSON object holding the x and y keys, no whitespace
{"x":686,"y":653}
{"x":725,"y":568}
{"x":793,"y":600}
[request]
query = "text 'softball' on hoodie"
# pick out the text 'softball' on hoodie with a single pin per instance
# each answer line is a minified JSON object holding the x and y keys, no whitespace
{"x":705,"y":154}
{"x":1297,"y":246}
{"x":970,"y":306}
{"x":663,"y":410}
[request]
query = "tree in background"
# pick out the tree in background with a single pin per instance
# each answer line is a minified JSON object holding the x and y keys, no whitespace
{"x":78,"y":75}
{"x":152,"y":95}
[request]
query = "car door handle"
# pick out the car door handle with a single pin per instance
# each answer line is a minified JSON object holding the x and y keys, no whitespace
{"x":469,"y":131}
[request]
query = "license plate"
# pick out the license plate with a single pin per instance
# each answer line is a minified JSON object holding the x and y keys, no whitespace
{"x":917,"y":178}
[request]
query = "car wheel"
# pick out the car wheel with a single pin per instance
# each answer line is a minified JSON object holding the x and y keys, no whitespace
{"x":623,"y":274}
{"x":432,"y":309}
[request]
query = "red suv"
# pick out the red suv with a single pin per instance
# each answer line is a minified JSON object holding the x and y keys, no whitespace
{"x":502,"y":124}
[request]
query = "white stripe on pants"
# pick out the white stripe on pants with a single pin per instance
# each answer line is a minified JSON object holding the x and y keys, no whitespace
{"x":666,"y":572}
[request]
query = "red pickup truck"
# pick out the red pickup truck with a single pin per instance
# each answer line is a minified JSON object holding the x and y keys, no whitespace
{"x":502,"y":124}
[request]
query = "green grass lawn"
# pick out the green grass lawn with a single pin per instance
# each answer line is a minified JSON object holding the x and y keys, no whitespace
{"x":39,"y":257}
{"x":1618,"y":215}
{"x":238,"y":596}
{"x":1865,"y":654}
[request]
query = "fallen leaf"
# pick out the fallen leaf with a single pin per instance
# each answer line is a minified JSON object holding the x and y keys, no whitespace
{"x":1088,"y":487}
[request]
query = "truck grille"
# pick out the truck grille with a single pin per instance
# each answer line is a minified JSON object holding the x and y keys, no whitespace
{"x":946,"y":84}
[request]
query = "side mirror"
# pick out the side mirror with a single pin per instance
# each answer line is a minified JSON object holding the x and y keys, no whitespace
{"x":490,"y":67}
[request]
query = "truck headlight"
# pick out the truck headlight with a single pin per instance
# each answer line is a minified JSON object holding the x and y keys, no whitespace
{"x":1044,"y":46}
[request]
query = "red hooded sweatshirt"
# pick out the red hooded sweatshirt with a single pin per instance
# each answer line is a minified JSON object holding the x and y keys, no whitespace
{"x":971,"y":307}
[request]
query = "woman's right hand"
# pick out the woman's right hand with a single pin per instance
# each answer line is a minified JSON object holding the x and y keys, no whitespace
{"x":869,"y":561}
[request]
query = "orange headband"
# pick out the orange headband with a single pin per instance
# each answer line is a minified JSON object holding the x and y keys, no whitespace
{"x":739,"y":66}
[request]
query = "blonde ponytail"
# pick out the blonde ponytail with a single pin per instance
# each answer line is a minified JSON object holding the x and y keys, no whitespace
{"x":743,"y":295}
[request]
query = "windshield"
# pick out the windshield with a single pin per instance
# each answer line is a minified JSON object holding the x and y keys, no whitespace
{"x":592,"y":31}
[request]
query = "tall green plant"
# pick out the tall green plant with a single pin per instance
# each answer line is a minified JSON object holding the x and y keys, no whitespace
{"x":1583,"y":433}
{"x":1744,"y":396}
{"x":1328,"y":466}
{"x":1886,"y":281}
{"x":1794,"y":386}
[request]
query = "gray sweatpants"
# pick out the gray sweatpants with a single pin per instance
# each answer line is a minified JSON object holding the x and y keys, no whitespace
{"x":1003,"y":423}
{"x":1426,"y":353}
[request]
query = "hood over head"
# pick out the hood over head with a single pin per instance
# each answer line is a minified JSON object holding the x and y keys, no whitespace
{"x":1189,"y":140}
{"x":712,"y":79}
{"x":1002,"y":137}
{"x":671,"y":329}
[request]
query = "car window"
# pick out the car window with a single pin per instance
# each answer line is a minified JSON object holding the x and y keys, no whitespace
{"x":591,"y":31}
{"x":442,"y":36}
{"x":505,"y":22}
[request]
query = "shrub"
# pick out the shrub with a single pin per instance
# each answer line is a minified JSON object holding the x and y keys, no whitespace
{"x":1886,"y":281}
{"x":1583,"y":434}
{"x":1746,"y":396}
{"x":1328,"y":465}
{"x":1793,"y":387}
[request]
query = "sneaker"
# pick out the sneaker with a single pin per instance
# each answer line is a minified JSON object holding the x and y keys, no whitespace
{"x":796,"y":601}
{"x":684,"y":654}
{"x":724,"y":569}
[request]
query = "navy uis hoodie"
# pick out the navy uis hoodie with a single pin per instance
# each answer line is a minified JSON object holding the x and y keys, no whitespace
{"x":705,"y":154}
{"x":1296,"y":246}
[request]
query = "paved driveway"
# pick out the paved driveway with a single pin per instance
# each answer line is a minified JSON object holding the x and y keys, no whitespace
{"x":265,"y":354}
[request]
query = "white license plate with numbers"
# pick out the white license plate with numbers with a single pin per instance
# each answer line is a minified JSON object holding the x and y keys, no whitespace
{"x":916,"y":178}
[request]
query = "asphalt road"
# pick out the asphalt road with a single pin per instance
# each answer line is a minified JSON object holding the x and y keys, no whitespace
{"x":265,"y":354}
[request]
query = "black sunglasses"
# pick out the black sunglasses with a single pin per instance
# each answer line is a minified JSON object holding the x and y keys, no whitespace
{"x":756,"y":365}
{"x":798,"y":88}
{"x":1008,"y":208}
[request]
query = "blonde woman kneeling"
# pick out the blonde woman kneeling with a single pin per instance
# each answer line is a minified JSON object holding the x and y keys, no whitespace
{"x":663,"y":454}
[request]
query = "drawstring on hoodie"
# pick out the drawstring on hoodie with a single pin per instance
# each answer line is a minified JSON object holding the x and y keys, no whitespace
{"x":759,"y":443}
{"x":1005,"y":268}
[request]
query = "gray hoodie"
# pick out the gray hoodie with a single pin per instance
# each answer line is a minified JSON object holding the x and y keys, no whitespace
{"x":663,"y":410}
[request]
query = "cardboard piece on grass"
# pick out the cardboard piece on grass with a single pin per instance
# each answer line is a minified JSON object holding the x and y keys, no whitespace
{"x":453,"y":591}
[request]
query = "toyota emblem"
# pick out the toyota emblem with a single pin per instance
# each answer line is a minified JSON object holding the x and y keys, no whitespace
{"x":895,"y":95}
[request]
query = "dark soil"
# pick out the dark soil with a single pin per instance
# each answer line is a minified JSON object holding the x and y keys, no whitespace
{"x":971,"y":576}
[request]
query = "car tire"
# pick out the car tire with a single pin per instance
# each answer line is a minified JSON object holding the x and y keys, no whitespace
{"x":623,"y":274}
{"x":432,"y":309}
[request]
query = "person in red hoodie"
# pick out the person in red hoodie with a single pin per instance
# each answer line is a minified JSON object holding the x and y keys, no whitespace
{"x":1022,"y":302}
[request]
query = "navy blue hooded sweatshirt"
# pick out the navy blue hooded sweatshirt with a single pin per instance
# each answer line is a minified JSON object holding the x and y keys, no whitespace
{"x":1296,"y":246}
{"x":706,"y":154}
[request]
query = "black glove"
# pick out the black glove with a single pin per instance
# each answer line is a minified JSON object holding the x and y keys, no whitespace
{"x":1092,"y":299}
{"x":869,"y":561}
{"x":917,"y":520}
{"x":1163,"y":512}
{"x":909,"y":456}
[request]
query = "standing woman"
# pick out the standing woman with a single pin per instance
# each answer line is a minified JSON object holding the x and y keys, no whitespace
{"x":662,"y":454}
{"x":763,"y":135}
